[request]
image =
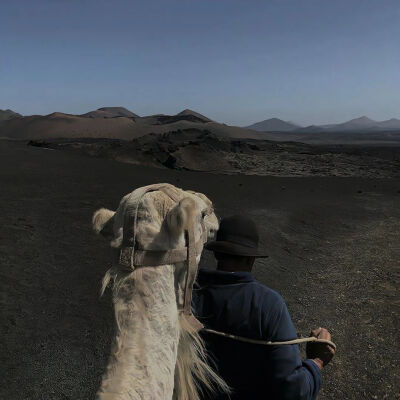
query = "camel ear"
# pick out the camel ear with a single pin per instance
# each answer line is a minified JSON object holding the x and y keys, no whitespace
{"x":103,"y":221}
{"x":179,"y":217}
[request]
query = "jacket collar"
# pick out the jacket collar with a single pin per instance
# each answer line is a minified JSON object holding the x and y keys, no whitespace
{"x":214,"y":277}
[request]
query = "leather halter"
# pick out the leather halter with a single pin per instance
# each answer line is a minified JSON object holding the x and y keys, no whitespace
{"x":132,"y":258}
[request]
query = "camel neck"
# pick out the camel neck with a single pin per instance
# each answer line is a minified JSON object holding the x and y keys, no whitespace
{"x":144,"y":352}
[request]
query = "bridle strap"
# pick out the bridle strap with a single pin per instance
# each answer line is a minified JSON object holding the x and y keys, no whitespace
{"x":191,"y":270}
{"x":153,"y":258}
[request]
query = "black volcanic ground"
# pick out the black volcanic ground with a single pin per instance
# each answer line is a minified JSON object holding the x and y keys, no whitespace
{"x":201,"y":150}
{"x":334,"y":256}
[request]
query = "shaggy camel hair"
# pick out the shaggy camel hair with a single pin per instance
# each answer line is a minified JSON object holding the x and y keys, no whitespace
{"x":156,"y":353}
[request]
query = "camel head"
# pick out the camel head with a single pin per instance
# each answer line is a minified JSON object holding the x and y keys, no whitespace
{"x":161,"y":221}
{"x":154,"y":220}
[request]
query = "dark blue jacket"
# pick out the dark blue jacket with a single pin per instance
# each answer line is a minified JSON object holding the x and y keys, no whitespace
{"x":235,"y":303}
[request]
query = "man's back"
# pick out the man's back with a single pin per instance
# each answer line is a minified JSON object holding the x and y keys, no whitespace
{"x":235,"y":303}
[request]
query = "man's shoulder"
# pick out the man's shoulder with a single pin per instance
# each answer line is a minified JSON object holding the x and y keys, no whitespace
{"x":268,"y":297}
{"x":230,"y":282}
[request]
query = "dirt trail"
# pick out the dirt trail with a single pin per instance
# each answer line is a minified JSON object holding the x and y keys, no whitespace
{"x":334,"y":256}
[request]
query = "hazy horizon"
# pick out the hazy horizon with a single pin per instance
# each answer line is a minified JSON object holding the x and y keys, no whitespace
{"x":174,"y":113}
{"x":236,"y":62}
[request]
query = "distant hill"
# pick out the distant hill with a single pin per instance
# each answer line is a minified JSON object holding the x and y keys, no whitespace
{"x":356,"y":123}
{"x":188,"y":112}
{"x":358,"y":131}
{"x":309,"y":129}
{"x":273,"y":125}
{"x":110,"y":112}
{"x":185,"y":115}
{"x":108,"y":122}
{"x":359,"y":124}
{"x":392,"y":123}
{"x":8,"y":114}
{"x":120,"y":123}
{"x":363,"y":124}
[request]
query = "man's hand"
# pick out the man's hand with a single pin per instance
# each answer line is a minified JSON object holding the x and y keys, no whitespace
{"x":320,"y":353}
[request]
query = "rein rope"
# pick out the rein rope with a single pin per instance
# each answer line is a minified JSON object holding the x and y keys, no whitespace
{"x":268,"y":342}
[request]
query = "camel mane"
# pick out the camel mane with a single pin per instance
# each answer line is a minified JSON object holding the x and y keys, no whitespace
{"x":193,"y":374}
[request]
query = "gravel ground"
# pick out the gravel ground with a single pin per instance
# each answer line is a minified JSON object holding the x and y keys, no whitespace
{"x":334,"y":256}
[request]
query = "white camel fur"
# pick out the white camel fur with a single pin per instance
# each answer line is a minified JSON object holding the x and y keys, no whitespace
{"x":156,"y":353}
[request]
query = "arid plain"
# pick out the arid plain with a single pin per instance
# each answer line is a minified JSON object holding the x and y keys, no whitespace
{"x":334,"y":256}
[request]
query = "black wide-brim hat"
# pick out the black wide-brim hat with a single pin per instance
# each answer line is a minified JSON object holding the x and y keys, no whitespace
{"x":237,"y":235}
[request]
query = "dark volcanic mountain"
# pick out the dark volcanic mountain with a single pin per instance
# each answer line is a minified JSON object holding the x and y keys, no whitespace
{"x":192,"y":113}
{"x":273,"y":125}
{"x":185,"y":115}
{"x":112,"y":123}
{"x":110,"y":112}
{"x":8,"y":114}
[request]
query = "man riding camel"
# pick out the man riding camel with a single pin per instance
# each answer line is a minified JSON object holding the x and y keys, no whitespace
{"x":230,"y":300}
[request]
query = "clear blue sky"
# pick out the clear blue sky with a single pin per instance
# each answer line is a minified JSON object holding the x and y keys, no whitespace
{"x":238,"y":62}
